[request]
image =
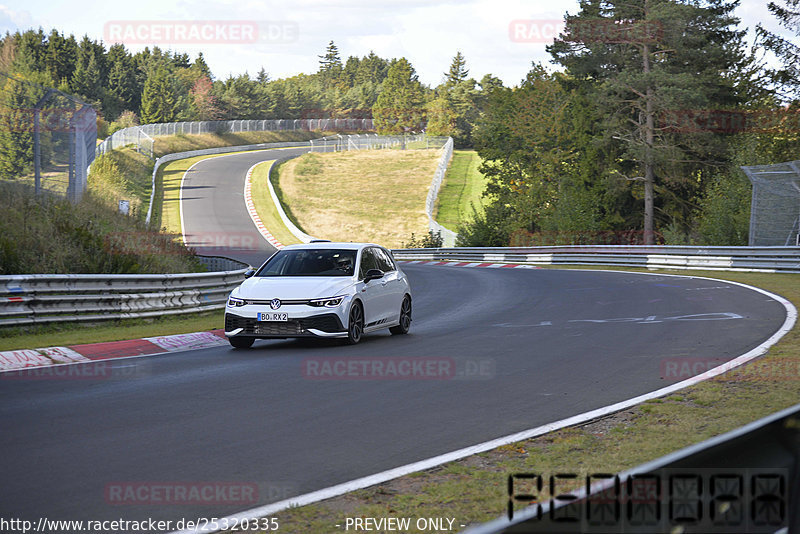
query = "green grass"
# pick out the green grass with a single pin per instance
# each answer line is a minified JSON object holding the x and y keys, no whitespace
{"x":473,"y":490}
{"x":122,"y":175}
{"x":265,"y":207}
{"x":51,"y":235}
{"x":463,"y":187}
{"x":40,"y":336}
{"x":374,"y":195}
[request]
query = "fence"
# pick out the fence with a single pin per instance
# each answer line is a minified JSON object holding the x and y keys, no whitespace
{"x":767,"y":259}
{"x":142,"y":136}
{"x":46,"y":298}
{"x":775,"y":205}
{"x":341,"y":143}
{"x":47,"y":137}
{"x":448,"y":236}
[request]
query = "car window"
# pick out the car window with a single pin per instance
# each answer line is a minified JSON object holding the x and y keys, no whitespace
{"x":385,"y":262}
{"x":310,"y":262}
{"x":368,"y":261}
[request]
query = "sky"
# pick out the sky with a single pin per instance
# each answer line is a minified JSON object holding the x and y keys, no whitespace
{"x":498,"y":37}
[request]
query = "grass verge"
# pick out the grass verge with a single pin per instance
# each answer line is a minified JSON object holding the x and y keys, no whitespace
{"x":39,"y":336}
{"x":463,"y":187}
{"x":376,"y":196}
{"x":265,"y":207}
{"x":474,"y":489}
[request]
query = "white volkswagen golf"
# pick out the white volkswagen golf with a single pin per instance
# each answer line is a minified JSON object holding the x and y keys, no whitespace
{"x":337,"y":290}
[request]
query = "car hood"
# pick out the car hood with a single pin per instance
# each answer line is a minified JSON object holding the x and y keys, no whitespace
{"x":294,"y":287}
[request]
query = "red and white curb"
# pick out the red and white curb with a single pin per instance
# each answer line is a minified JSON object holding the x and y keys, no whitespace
{"x":470,"y":264}
{"x":251,"y":209}
{"x":15,"y":360}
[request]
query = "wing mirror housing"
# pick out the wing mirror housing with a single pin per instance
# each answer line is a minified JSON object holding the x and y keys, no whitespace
{"x":249,"y":272}
{"x":373,"y":274}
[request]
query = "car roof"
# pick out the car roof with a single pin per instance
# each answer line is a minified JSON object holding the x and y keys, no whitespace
{"x":330,"y":245}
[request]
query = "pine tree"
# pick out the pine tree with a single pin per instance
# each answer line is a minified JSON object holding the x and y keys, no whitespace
{"x":330,"y":61}
{"x":201,"y":67}
{"x":60,"y":56}
{"x":458,"y":70}
{"x":400,"y":104}
{"x":123,"y":91}
{"x":786,"y":78}
{"x":86,"y":79}
{"x":646,"y":58}
{"x":16,"y":137}
{"x":371,"y":69}
{"x":160,"y":102}
{"x":330,"y":66}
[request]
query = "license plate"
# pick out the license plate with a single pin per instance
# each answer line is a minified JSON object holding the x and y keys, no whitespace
{"x":273,"y":316}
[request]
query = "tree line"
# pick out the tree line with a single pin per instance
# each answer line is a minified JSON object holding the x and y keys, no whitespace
{"x":639,"y":135}
{"x":635,"y":136}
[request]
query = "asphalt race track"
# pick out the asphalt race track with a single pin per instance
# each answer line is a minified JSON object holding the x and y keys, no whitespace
{"x":510,"y":349}
{"x":214,"y":217}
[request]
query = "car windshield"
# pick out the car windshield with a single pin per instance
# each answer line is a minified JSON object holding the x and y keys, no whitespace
{"x":310,"y":262}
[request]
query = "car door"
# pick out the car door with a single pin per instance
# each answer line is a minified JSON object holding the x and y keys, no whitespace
{"x":393,"y":286}
{"x":371,"y":292}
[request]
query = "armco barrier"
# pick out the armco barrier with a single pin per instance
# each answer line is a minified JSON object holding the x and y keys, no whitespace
{"x":765,"y":259}
{"x":747,"y":480}
{"x":46,"y":298}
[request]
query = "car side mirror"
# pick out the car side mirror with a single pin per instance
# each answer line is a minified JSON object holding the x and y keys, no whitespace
{"x":249,"y":272}
{"x":373,"y":274}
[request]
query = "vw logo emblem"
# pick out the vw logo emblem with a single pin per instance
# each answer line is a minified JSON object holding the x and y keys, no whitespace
{"x":275,"y":304}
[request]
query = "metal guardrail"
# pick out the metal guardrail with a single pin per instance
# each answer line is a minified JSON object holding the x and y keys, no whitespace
{"x":747,"y":480}
{"x":765,"y":259}
{"x":46,"y":298}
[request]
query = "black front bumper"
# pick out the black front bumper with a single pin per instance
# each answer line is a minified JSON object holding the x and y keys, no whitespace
{"x":328,"y":322}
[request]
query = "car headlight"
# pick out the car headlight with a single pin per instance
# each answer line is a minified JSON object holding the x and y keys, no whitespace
{"x":234,"y":302}
{"x":330,"y":302}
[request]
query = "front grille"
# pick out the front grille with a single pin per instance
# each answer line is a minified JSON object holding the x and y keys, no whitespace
{"x":296,"y":327}
{"x":277,"y":328}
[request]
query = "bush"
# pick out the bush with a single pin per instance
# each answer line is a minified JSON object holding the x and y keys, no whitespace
{"x":725,"y":211}
{"x":432,"y":240}
{"x":125,"y":120}
{"x":486,"y":229}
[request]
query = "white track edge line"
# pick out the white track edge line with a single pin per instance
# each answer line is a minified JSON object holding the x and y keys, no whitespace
{"x":384,"y":476}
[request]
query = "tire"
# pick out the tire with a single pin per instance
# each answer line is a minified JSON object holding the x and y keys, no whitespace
{"x":355,"y":324}
{"x":405,"y":318}
{"x":241,"y":342}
